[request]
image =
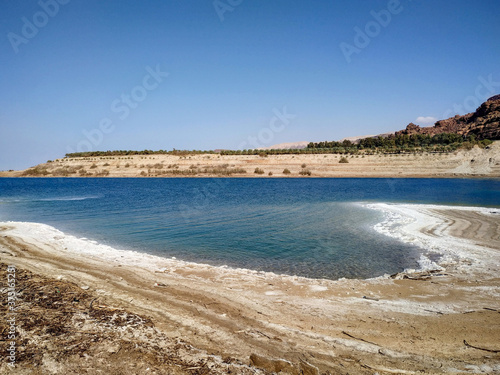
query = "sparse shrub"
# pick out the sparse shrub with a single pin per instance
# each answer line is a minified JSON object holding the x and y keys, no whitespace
{"x":305,"y":172}
{"x":303,"y":165}
{"x":468,"y":145}
{"x":106,"y":165}
{"x":207,"y":170}
{"x":485,"y":143}
{"x":143,"y":173}
{"x":36,"y":171}
{"x":343,"y":159}
{"x":286,"y":171}
{"x":127,"y":165}
{"x":270,"y":174}
{"x":102,"y":173}
{"x":258,"y":171}
{"x":93,"y":166}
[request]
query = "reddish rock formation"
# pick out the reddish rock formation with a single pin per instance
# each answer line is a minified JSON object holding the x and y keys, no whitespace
{"x":483,"y":124}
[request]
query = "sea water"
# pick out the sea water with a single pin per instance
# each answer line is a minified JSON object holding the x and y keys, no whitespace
{"x":317,"y":228}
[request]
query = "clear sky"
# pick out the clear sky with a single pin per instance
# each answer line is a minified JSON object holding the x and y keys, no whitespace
{"x":192,"y":74}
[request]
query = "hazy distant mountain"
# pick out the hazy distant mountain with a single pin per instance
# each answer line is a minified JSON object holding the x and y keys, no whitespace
{"x":287,"y":146}
{"x":359,"y":137}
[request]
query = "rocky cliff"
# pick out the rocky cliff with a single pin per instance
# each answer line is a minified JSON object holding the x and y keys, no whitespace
{"x":484,"y":123}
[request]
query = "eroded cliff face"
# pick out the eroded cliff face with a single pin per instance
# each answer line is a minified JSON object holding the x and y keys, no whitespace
{"x":484,"y":123}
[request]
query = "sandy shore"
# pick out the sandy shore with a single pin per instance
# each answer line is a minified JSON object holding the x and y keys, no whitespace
{"x":240,"y":321}
{"x":468,"y":163}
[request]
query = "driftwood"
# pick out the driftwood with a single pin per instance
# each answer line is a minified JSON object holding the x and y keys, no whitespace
{"x":479,"y":348}
{"x":490,"y":309}
{"x":370,"y":298}
{"x":263,"y":334}
{"x":436,"y":312}
{"x":424,"y":275}
{"x":357,"y":338}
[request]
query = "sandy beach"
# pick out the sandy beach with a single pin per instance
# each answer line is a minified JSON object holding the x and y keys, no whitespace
{"x":126,"y":312}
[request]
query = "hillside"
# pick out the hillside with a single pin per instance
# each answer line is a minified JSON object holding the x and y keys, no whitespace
{"x":458,"y":146}
{"x":476,"y":162}
{"x":484,"y":123}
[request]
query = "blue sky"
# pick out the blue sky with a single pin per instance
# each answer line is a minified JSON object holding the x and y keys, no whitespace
{"x":80,"y":74}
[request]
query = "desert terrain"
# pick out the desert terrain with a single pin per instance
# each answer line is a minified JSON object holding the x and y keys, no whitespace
{"x":477,"y":162}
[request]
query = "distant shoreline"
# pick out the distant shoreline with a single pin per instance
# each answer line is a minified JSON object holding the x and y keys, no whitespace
{"x":474,"y":163}
{"x":472,"y":177}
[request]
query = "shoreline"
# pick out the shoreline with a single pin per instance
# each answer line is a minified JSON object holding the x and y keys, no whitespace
{"x":422,"y":225}
{"x":477,"y":162}
{"x":398,"y":223}
{"x":237,"y":312}
{"x":340,"y":176}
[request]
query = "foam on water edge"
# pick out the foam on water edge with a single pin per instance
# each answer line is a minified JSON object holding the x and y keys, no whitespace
{"x":406,"y":223}
{"x":401,"y":221}
{"x":38,"y":233}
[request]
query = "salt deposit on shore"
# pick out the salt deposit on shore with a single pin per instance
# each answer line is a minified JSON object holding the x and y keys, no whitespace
{"x":415,"y":321}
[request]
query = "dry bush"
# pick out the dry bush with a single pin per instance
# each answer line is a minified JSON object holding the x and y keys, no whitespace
{"x":258,"y":171}
{"x":36,"y":171}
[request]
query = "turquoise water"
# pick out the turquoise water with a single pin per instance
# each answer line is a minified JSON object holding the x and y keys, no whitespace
{"x":307,"y":227}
